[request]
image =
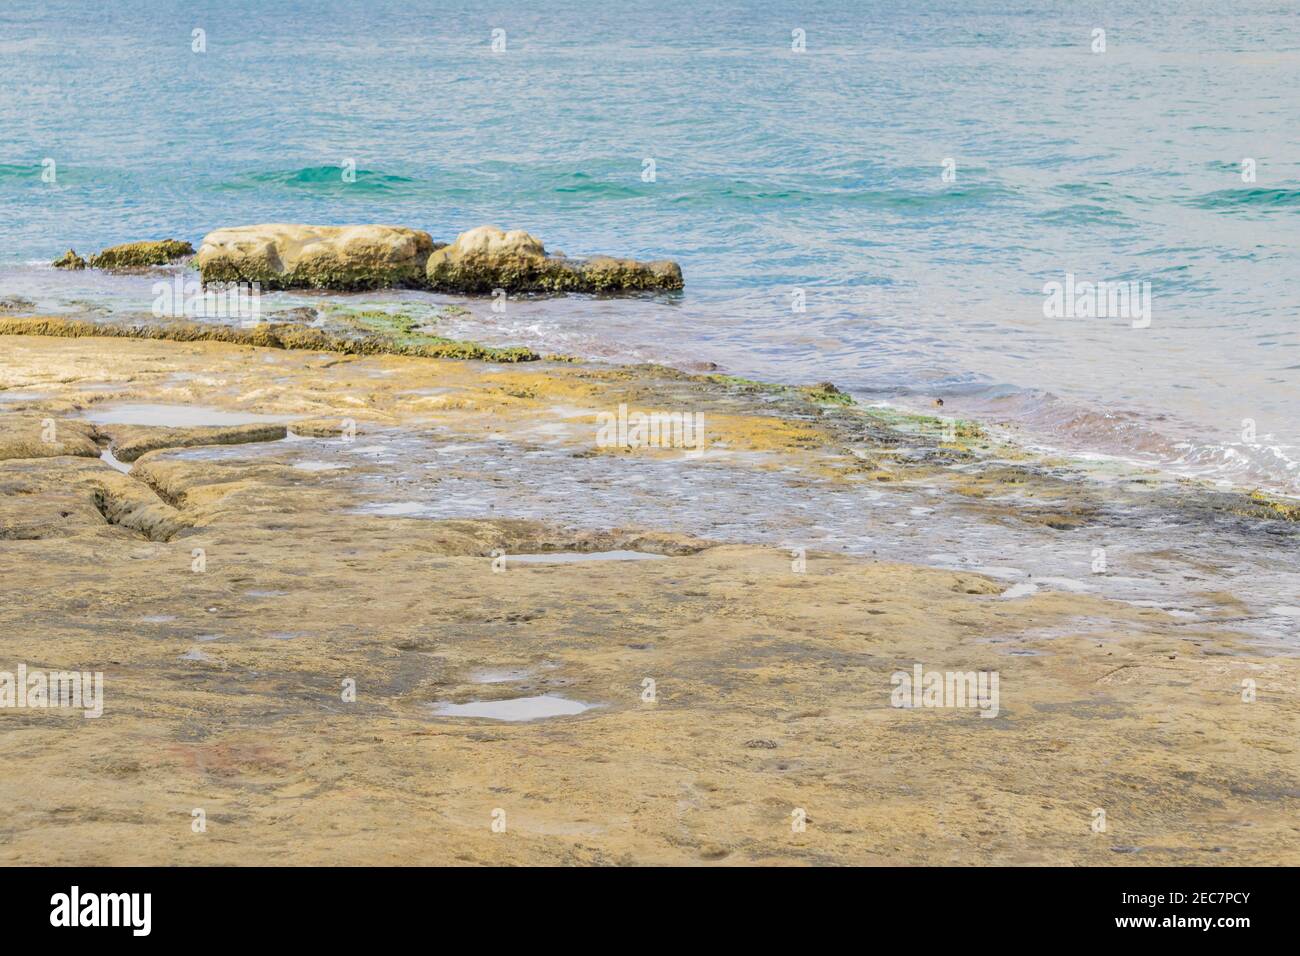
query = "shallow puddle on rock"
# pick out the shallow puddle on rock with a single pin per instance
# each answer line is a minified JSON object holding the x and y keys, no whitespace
{"x":996,"y":571}
{"x":318,"y":466}
{"x":1023,"y":589}
{"x":395,"y":509}
{"x":444,"y":474}
{"x":453,"y":449}
{"x":1064,"y":584}
{"x":110,"y":459}
{"x":520,"y":708}
{"x":501,"y":675}
{"x":572,"y":557}
{"x":176,"y":416}
{"x":435,"y":390}
{"x":549,"y":430}
{"x":23,"y":396}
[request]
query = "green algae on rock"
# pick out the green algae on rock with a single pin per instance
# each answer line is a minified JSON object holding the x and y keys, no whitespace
{"x":379,"y":321}
{"x":1261,"y":505}
{"x":823,"y":393}
{"x":827,"y":393}
{"x":136,"y":255}
{"x":275,"y":336}
{"x":339,"y":258}
{"x":69,"y":260}
{"x":487,"y":258}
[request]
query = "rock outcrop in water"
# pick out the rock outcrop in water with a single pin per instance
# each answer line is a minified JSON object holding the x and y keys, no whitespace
{"x":360,"y":258}
{"x":342,"y":258}
{"x":136,"y":255}
{"x":489,"y":258}
{"x":69,"y":260}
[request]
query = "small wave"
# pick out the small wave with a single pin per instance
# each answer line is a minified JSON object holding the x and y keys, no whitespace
{"x":1244,"y":463}
{"x":19,"y":170}
{"x":609,"y":180}
{"x":1085,"y":214}
{"x":327,"y":178}
{"x":1051,"y":423}
{"x":613,"y":180}
{"x":758,"y":195}
{"x":1249,"y":200}
{"x":583,"y":185}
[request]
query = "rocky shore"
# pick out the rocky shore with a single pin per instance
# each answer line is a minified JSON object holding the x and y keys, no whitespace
{"x":285,"y":644}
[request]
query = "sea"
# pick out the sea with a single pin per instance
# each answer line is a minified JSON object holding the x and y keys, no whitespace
{"x":883,"y":195}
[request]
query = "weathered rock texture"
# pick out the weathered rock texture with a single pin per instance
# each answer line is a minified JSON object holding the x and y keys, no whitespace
{"x":489,"y":258}
{"x":343,"y":258}
{"x":224,"y":687}
{"x":134,"y":255}
{"x":69,"y":260}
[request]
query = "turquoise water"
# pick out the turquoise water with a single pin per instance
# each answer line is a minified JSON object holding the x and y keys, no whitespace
{"x":775,"y":171}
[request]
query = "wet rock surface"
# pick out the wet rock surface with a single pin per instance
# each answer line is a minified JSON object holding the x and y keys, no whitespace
{"x":772,"y":682}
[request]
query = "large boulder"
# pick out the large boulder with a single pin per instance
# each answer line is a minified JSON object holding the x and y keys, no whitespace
{"x":287,"y":256}
{"x":489,"y":258}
